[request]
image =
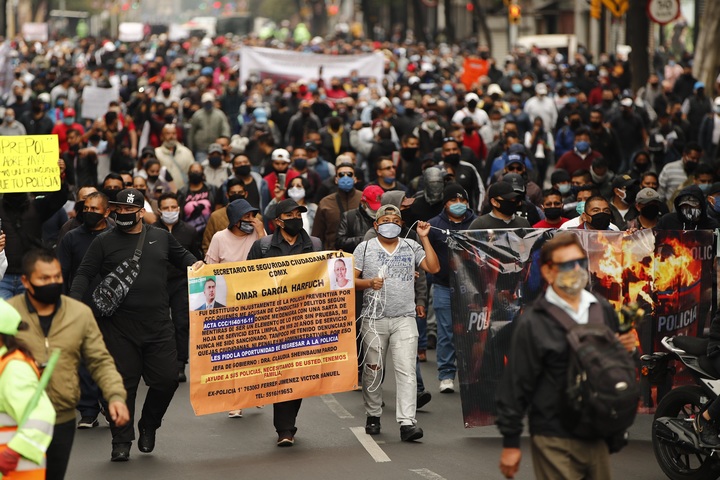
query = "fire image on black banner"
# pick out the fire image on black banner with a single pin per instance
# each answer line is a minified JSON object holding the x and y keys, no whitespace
{"x":496,"y":273}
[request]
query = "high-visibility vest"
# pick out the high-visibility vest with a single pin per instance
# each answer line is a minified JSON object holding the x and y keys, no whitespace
{"x":26,"y":470}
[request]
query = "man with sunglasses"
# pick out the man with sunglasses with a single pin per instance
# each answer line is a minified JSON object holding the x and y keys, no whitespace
{"x":332,"y":207}
{"x":385,"y":171}
{"x":539,"y":357}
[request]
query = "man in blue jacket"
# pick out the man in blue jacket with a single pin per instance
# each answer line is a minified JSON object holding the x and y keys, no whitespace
{"x":455,"y":216}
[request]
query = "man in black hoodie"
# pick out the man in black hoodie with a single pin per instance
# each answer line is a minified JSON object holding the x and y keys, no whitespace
{"x":690,"y":212}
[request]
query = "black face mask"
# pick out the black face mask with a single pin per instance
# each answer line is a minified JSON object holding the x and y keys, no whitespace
{"x":553,"y":213}
{"x":169,"y":119}
{"x":292,"y":226}
{"x":242,"y":171}
{"x":409,"y":153}
{"x":641,"y":167}
{"x":152,"y":178}
{"x":237,"y":196}
{"x":215,"y":161}
{"x":452,"y":159}
{"x":195,"y":178}
{"x":508,"y":207}
{"x":600,"y":221}
{"x":91,"y":219}
{"x":595,"y":125}
{"x":111,"y":194}
{"x":126,"y":221}
{"x":95,"y":138}
{"x":47,"y":294}
{"x":300,"y":163}
{"x":650,"y":212}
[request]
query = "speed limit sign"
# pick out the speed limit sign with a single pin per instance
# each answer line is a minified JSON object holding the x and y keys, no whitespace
{"x":663,"y":11}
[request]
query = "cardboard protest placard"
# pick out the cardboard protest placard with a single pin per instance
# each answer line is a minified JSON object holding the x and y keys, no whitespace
{"x":271,"y":330}
{"x":29,"y":163}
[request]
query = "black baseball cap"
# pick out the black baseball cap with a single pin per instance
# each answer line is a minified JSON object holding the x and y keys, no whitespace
{"x":129,"y":196}
{"x":622,"y":181}
{"x":287,"y":206}
{"x":310,"y":146}
{"x":503,"y":190}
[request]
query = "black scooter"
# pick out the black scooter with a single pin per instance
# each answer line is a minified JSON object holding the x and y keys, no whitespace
{"x":677,"y":448}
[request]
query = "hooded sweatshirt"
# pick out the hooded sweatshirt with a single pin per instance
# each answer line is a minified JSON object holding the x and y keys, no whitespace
{"x":677,"y":221}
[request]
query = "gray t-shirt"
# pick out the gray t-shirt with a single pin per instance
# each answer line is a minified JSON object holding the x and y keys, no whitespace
{"x":397,"y":297}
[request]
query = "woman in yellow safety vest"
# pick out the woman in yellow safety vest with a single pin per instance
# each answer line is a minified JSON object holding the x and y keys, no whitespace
{"x":22,"y":448}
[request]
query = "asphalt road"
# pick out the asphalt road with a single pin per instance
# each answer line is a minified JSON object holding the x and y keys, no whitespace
{"x":330,"y":444}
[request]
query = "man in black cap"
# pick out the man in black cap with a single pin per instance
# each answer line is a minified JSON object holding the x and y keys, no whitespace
{"x":648,"y":205}
{"x":289,"y":239}
{"x":528,"y":204}
{"x":504,"y":202}
{"x":622,"y":203}
{"x":139,"y":334}
{"x":456,"y":215}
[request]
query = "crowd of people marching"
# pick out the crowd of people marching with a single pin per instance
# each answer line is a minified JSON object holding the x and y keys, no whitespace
{"x":537,"y":140}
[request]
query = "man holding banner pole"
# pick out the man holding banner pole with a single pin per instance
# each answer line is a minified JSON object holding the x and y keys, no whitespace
{"x":385,"y":269}
{"x":289,"y":239}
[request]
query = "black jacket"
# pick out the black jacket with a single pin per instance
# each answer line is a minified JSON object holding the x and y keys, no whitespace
{"x":148,"y":296}
{"x":535,"y":376}
{"x":354,"y":224}
{"x":189,"y":238}
{"x":676,"y":221}
{"x":278,"y":247}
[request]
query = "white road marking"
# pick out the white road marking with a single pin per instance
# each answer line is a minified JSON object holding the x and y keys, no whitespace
{"x":372,"y":448}
{"x":335,"y":406}
{"x":424,"y":472}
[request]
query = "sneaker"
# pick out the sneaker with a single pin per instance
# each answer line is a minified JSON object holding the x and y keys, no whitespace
{"x":706,"y":430}
{"x":146,"y":441}
{"x":422,"y":355}
{"x":423,"y":398}
{"x":447,"y":386}
{"x":286,"y":439}
{"x":120,"y":452}
{"x":410,"y":433}
{"x":372,"y":426}
{"x":235,"y":414}
{"x":88,"y":422}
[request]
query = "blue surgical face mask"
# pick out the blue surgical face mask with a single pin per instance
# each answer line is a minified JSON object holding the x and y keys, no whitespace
{"x":580,"y":207}
{"x":346,"y":184}
{"x":389,"y":230}
{"x":69,"y":120}
{"x":516,"y":88}
{"x":389,"y":180}
{"x":458,"y":209}
{"x":582,"y":146}
{"x":716,"y":205}
{"x":564,"y":188}
{"x":704,"y":187}
{"x":447,"y":88}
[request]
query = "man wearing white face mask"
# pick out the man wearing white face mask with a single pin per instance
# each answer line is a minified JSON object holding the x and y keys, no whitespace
{"x":188,"y":237}
{"x":385,"y":269}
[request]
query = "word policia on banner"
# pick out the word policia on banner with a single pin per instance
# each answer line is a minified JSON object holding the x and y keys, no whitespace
{"x":495,"y":274}
{"x":271,"y":330}
{"x":29,"y":163}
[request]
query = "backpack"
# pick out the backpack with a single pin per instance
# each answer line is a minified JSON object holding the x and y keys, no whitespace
{"x":113,"y":289}
{"x":602,"y":394}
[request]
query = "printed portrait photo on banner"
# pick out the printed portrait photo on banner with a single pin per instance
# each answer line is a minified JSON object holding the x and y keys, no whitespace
{"x":213,"y":294}
{"x":340,"y":279}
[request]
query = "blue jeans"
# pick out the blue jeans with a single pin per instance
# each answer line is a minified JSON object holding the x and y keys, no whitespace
{"x":422,"y":332}
{"x":418,"y":376}
{"x":445,"y":346}
{"x":10,"y":285}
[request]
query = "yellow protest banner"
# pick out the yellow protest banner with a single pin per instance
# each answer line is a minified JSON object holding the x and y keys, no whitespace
{"x":271,"y":330}
{"x":29,"y":163}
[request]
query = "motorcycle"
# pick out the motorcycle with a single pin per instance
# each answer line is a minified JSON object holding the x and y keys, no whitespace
{"x":678,"y":450}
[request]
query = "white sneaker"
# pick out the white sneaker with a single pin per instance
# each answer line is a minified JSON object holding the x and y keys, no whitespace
{"x":447,"y":386}
{"x":235,"y":414}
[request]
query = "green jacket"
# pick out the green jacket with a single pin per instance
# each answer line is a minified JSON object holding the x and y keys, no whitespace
{"x":75,"y":332}
{"x":18,"y":383}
